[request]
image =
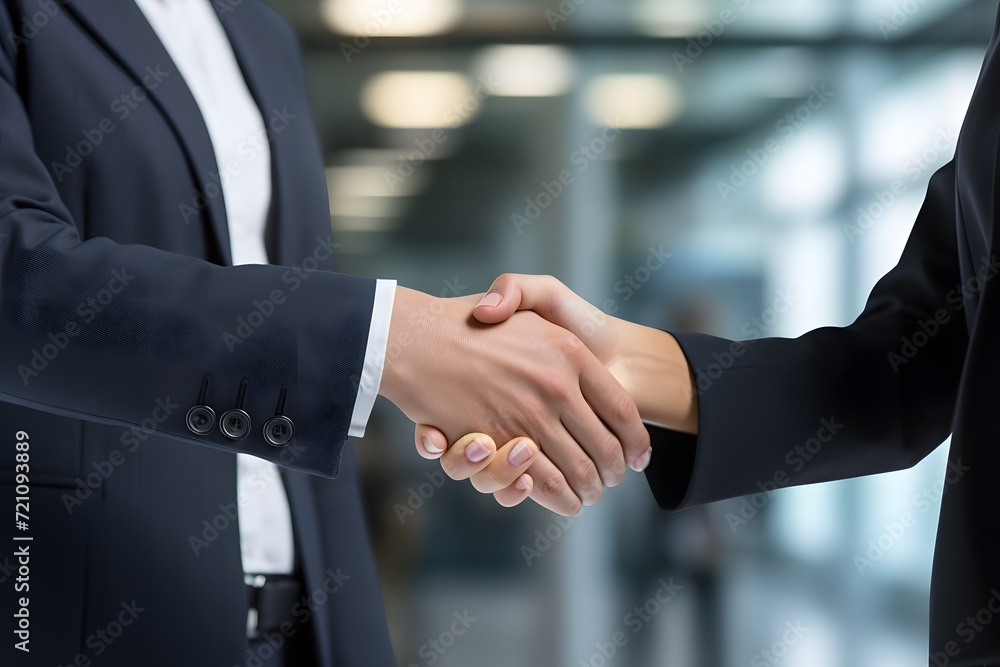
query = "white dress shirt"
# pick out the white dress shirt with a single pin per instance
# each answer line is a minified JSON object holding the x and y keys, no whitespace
{"x":197,"y":44}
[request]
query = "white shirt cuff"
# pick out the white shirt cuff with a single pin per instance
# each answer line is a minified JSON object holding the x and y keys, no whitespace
{"x":371,"y":374}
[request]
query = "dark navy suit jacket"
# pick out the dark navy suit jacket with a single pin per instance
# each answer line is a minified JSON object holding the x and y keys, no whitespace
{"x":921,"y":362}
{"x":117,"y":297}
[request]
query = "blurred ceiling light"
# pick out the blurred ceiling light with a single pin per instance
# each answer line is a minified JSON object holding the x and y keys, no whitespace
{"x":633,"y":101}
{"x":527,"y":71}
{"x":361,"y":199}
{"x":361,"y":181}
{"x":663,"y":18}
{"x":360,"y":208}
{"x":391,"y":18}
{"x":419,"y":100}
{"x":349,"y":224}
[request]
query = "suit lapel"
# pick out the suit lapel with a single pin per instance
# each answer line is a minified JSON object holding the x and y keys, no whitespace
{"x":125,"y":33}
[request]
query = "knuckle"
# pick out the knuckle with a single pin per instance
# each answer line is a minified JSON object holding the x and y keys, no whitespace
{"x":570,"y":344}
{"x":587,"y":474}
{"x":591,"y":488}
{"x":610,"y":449}
{"x":553,"y":283}
{"x":504,"y":278}
{"x":555,"y":386}
{"x":554,"y":485}
{"x":625,"y":409}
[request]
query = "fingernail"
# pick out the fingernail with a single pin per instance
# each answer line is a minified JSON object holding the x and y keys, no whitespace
{"x":643,"y":461}
{"x":524,"y":482}
{"x":476,"y":451}
{"x":520,"y":454}
{"x":492,"y":299}
{"x":430,"y":447}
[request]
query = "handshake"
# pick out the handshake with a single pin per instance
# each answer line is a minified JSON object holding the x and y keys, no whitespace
{"x":564,"y":386}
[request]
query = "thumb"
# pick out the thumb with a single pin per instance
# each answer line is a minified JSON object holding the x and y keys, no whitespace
{"x":431,"y":443}
{"x":513,"y":291}
{"x":502,"y":300}
{"x":545,"y":295}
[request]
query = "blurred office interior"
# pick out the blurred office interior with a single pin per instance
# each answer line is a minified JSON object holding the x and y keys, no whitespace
{"x":743,"y":167}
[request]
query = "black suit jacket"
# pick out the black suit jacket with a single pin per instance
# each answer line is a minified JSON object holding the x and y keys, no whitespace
{"x":116,"y":301}
{"x":921,"y":362}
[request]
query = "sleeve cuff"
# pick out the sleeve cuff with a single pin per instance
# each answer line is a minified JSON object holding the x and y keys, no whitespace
{"x":371,"y":374}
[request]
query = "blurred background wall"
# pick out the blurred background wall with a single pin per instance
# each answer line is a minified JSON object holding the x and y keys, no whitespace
{"x":777,"y":151}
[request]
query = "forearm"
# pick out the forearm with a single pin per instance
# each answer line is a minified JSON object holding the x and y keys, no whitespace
{"x":110,"y":333}
{"x":835,"y":402}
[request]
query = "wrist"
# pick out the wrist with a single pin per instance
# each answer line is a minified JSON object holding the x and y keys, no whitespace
{"x":409,"y":309}
{"x":656,"y":372}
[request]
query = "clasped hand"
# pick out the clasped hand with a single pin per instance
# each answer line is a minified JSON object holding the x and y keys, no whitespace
{"x":533,"y":386}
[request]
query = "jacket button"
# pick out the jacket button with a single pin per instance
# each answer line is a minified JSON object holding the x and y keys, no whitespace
{"x":235,"y":424}
{"x":200,"y":420}
{"x":279,"y":431}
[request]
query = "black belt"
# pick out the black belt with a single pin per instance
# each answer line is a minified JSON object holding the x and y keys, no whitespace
{"x":270,"y":600}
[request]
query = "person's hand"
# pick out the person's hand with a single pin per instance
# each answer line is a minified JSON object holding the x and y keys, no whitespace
{"x":524,"y":376}
{"x":647,"y":362}
{"x":501,"y":472}
{"x":538,"y":478}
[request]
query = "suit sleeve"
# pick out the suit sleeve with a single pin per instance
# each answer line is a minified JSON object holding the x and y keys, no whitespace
{"x":835,"y":403}
{"x":125,"y":334}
